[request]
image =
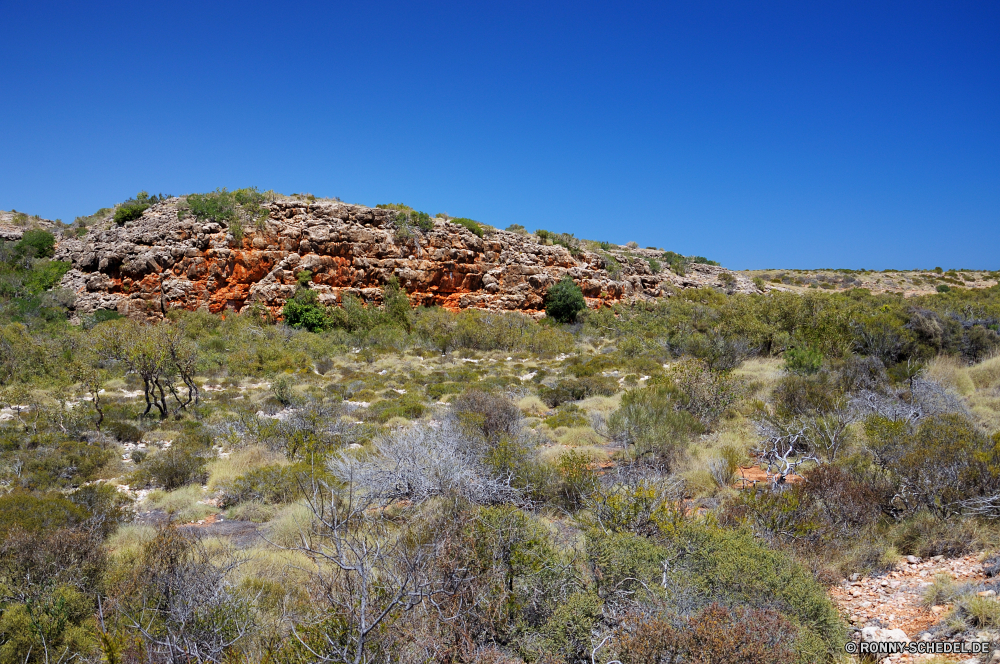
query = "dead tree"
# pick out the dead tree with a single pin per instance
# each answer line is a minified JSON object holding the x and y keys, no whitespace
{"x":366,"y":575}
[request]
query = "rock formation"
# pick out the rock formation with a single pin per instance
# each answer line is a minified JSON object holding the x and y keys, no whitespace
{"x":164,"y":260}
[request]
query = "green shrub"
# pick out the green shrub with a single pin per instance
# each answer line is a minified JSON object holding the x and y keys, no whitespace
{"x":406,"y":406}
{"x":979,"y":612}
{"x":471,"y":225}
{"x":949,"y":463}
{"x":231,"y":208}
{"x":268,"y":484}
{"x":677,"y":262}
{"x":304,"y":310}
{"x":654,"y":265}
{"x":649,"y":422}
{"x":124,"y":432}
{"x":407,"y":218}
{"x":942,"y":591}
{"x":37,"y":513}
{"x":568,"y":415}
{"x":734,"y":568}
{"x":577,"y":478}
{"x":576,"y":389}
{"x":804,"y":360}
{"x":943,"y":288}
{"x":704,"y":393}
{"x":36,"y":243}
{"x":612,"y":266}
{"x":491,"y":415}
{"x":133,"y":208}
{"x":564,"y":301}
{"x":108,"y":508}
{"x":567,"y":632}
{"x":173,"y":468}
{"x":716,"y":633}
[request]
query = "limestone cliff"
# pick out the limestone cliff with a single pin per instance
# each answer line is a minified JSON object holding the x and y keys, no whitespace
{"x":161,"y":261}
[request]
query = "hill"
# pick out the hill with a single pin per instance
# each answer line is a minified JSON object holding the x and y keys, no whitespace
{"x":171,"y":257}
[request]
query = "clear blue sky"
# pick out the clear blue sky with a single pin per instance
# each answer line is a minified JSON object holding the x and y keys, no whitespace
{"x":760,"y":134}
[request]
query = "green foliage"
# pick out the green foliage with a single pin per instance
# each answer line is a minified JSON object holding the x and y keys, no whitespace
{"x":173,"y":468}
{"x":234,"y":209}
{"x":304,"y":310}
{"x":567,"y":415}
{"x":648,"y":422}
{"x":564,"y":301}
{"x":471,"y":225}
{"x":59,"y":622}
{"x":577,"y":478}
{"x":654,"y":265}
{"x":36,"y":243}
{"x":612,"y":266}
{"x":678,"y":263}
{"x":567,"y":633}
{"x":949,"y":462}
{"x":133,"y":208}
{"x":704,"y":393}
{"x":732,"y":567}
{"x":803,"y":360}
{"x":269,"y":484}
{"x":36,"y":513}
{"x":408,"y":218}
{"x":407,"y":406}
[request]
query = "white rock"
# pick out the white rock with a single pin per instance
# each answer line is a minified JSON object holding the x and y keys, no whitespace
{"x":872,"y":633}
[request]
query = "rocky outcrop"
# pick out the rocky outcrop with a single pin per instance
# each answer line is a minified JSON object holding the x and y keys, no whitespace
{"x":14,"y":223}
{"x":161,"y":261}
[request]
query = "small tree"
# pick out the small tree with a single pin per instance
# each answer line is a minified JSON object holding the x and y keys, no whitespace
{"x":564,"y":301}
{"x":304,"y":310}
{"x":36,"y":243}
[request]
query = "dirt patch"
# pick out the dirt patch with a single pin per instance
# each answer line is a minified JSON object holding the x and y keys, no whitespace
{"x":753,"y":475}
{"x":895,"y":600}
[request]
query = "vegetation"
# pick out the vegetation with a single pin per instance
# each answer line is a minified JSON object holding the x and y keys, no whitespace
{"x":369,"y":481}
{"x":236,"y":210}
{"x":134,"y":207}
{"x":564,"y":301}
{"x":473,"y":226}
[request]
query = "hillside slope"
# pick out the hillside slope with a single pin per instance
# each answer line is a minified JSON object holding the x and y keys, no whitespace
{"x":160,"y":261}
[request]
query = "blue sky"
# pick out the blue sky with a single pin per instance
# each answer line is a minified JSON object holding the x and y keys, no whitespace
{"x":759,"y":134}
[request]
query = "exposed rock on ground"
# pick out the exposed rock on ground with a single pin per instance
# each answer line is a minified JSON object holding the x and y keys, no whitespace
{"x":890,"y":607}
{"x":160,"y":262}
{"x":13,"y":224}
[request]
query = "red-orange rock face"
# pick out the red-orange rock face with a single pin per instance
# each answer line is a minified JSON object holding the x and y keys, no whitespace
{"x":160,"y":262}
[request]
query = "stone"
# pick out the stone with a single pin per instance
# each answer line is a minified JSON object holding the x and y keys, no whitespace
{"x":872,"y":633}
{"x":176,"y":263}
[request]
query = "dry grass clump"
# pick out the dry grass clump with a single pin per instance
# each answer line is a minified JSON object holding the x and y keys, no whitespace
{"x":225,"y":470}
{"x":288,"y":524}
{"x":986,"y":374}
{"x":951,"y":372}
{"x":182,"y":504}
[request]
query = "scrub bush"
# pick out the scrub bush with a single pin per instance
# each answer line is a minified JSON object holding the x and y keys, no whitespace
{"x":564,"y":301}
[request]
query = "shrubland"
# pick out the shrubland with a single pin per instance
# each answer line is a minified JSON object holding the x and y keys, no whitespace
{"x":668,"y":481}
